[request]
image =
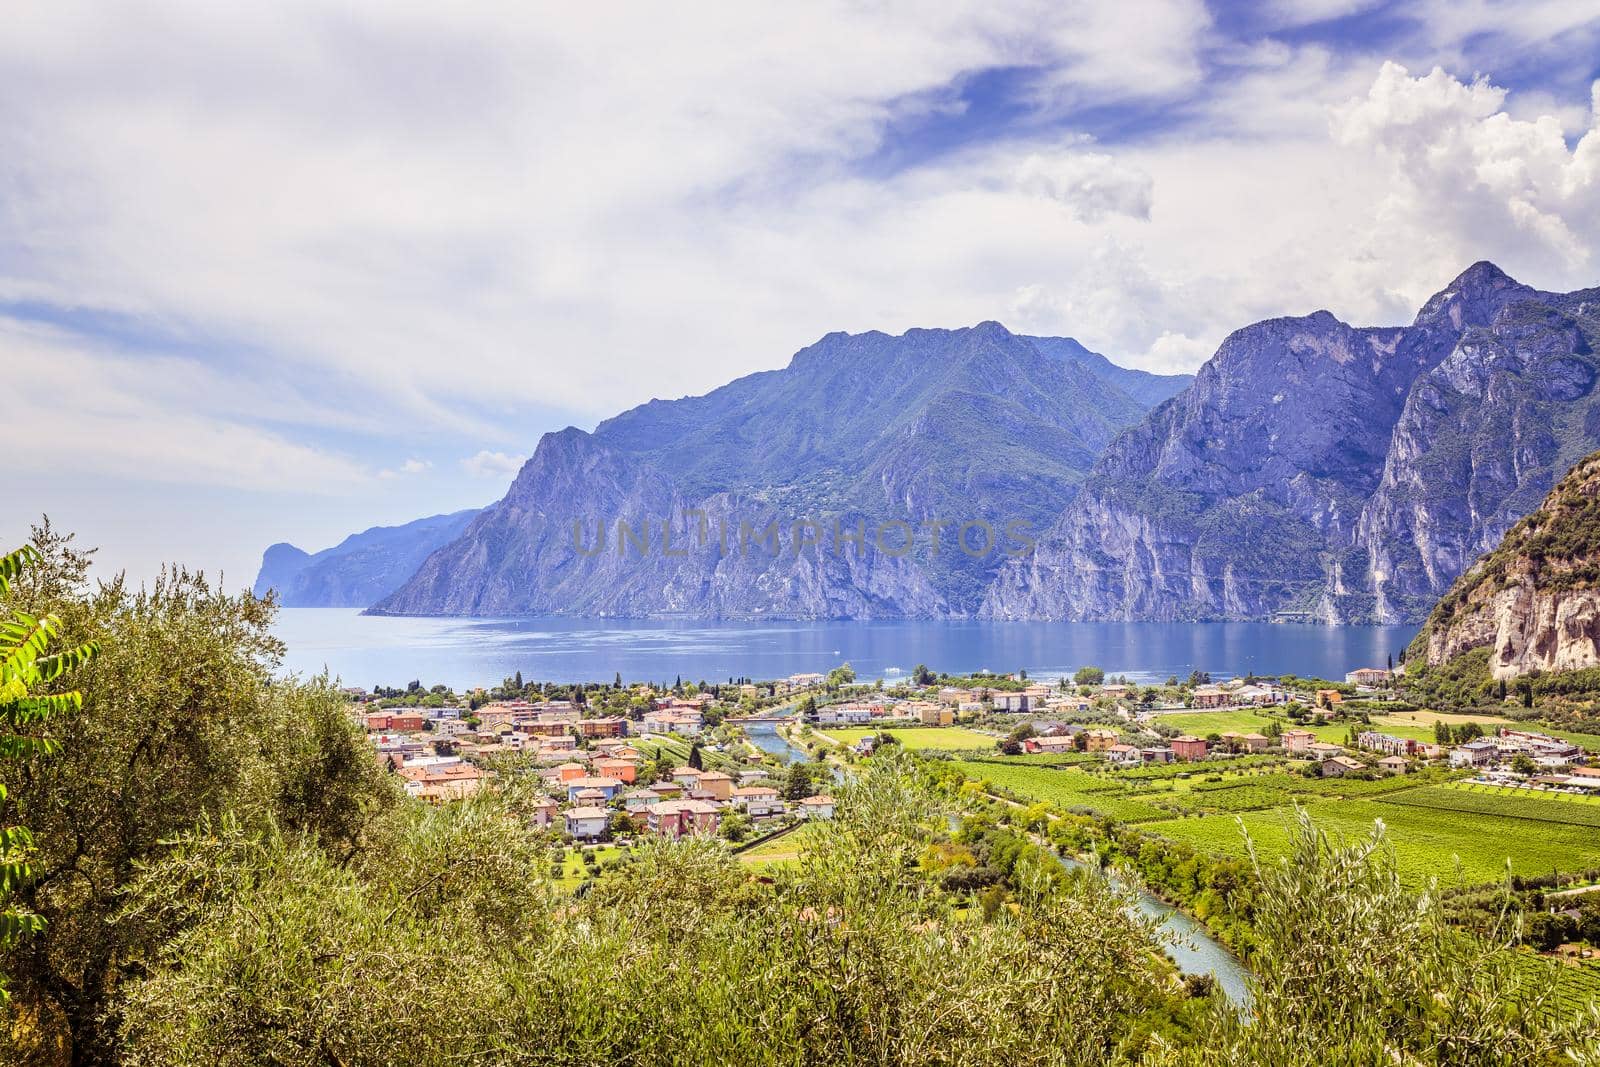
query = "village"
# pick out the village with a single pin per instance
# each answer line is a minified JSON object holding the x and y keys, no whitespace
{"x":603,"y":777}
{"x":682,"y":762}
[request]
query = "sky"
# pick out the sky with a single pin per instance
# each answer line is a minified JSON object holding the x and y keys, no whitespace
{"x":285,"y":272}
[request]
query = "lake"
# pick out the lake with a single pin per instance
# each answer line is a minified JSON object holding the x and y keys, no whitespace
{"x":371,"y":650}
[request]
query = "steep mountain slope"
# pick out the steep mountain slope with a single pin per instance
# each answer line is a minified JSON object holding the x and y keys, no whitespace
{"x":858,"y":430}
{"x":1534,"y":600}
{"x":1145,"y":388}
{"x":358,"y":570}
{"x":1320,"y":471}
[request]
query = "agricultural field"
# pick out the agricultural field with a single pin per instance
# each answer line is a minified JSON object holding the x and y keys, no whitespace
{"x":1457,"y":847}
{"x":1067,"y":789}
{"x":782,"y":851}
{"x":1416,"y":725}
{"x":1201,"y":723}
{"x":916,"y":738}
{"x":1438,"y":826}
{"x":1406,"y":726}
{"x":1152,"y":772}
{"x":1426,"y":718}
{"x":1049,"y":759}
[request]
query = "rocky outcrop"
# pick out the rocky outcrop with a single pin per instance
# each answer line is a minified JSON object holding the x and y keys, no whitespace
{"x":1535,"y":599}
{"x":1316,"y":471}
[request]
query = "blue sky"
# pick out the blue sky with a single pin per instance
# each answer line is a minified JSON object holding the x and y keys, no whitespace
{"x":285,"y":276}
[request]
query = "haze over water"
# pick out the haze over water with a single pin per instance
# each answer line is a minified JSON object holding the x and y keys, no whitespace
{"x":371,"y":650}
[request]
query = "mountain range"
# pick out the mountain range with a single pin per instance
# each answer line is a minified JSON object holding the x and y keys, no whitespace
{"x":858,"y":430}
{"x":1323,"y":472}
{"x":1311,"y":470}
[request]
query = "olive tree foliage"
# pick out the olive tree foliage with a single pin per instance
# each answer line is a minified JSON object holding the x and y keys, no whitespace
{"x":181,"y":719}
{"x":1352,"y":968}
{"x":26,"y":667}
{"x":447,"y":941}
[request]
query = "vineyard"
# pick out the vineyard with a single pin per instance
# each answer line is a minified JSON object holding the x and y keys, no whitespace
{"x":1069,"y":790}
{"x":1573,"y":812}
{"x":1438,"y":827}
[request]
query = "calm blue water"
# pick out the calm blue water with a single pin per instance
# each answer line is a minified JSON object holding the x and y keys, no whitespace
{"x":370,"y":650}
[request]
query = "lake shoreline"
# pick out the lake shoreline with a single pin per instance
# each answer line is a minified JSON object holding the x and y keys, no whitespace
{"x":465,"y":653}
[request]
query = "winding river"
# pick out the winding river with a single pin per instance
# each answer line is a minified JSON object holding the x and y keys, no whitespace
{"x":1191,"y":947}
{"x":765,"y":736}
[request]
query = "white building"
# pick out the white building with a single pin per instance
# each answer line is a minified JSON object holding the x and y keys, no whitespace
{"x":817,"y":807}
{"x":587,"y":823}
{"x":1474,"y":754}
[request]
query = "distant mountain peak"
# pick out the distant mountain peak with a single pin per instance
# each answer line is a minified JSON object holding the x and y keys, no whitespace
{"x":1483,"y":274}
{"x":1474,"y":297}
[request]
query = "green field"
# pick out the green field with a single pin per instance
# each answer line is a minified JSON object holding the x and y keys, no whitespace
{"x":916,"y":738}
{"x":1428,"y":842}
{"x":1246,"y":721}
{"x":1201,"y":723}
{"x":1067,"y":789}
{"x":782,"y":851}
{"x":1506,"y":803}
{"x":1435,"y":823}
{"x":574,"y":870}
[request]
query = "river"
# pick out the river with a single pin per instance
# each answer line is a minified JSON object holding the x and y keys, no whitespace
{"x":1191,"y":947}
{"x":765,"y":736}
{"x":372,"y":650}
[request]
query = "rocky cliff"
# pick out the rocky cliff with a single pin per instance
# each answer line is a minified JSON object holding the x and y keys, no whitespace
{"x":1535,"y":599}
{"x":1323,"y":472}
{"x":702,"y":506}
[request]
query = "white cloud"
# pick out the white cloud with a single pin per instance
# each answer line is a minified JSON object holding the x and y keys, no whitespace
{"x":466,"y":225}
{"x":488,"y":464}
{"x":1090,"y":185}
{"x":91,"y":413}
{"x":1464,"y":174}
{"x":410,"y":466}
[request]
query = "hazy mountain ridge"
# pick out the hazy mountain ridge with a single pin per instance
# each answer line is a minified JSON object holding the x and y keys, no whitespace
{"x":1320,"y":471}
{"x":358,"y":570}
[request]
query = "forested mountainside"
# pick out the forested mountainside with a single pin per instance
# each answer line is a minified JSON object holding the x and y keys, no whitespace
{"x":858,"y":430}
{"x":1534,"y":601}
{"x":1320,"y":471}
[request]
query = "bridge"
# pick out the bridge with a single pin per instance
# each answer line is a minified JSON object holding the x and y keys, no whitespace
{"x":776,"y":720}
